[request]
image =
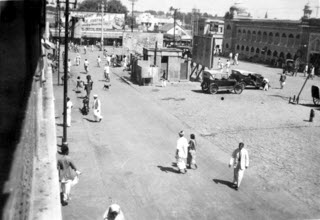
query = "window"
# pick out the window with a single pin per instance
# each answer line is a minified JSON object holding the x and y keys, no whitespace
{"x":239,"y":31}
{"x":270,"y":34}
{"x":247,"y":48}
{"x":227,"y":46}
{"x":228,"y":27}
{"x":298,"y":36}
{"x":284,"y":35}
{"x":252,"y":49}
{"x":291,"y":36}
{"x":277,"y":34}
{"x":242,"y":47}
{"x":238,"y":47}
{"x":257,"y":50}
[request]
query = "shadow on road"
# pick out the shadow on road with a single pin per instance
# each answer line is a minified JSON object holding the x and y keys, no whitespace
{"x":89,"y":120}
{"x":224,"y":182}
{"x":168,"y":169}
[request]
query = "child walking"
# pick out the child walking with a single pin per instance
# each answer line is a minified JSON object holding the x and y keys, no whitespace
{"x":191,"y":160}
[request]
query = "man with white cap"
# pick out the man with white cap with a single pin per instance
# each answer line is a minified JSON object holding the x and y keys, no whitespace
{"x":182,"y":152}
{"x":113,"y":213}
{"x":96,"y":108}
{"x":240,"y":161}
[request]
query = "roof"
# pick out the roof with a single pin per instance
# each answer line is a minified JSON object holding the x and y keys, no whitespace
{"x":167,"y":27}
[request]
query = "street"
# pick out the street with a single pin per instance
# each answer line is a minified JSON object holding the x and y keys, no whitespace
{"x":128,"y":157}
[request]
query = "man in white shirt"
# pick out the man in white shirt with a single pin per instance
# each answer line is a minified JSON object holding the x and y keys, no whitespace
{"x":182,"y":152}
{"x":96,"y":109}
{"x":86,"y":65}
{"x":98,"y":61}
{"x":240,"y":161}
{"x":106,"y":72}
{"x":69,"y":106}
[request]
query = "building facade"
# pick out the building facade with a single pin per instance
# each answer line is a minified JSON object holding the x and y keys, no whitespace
{"x":271,"y":40}
{"x":210,"y":27}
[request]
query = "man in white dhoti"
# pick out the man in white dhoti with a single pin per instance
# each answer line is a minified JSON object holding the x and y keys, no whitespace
{"x":69,"y":106}
{"x":240,"y":162}
{"x":96,"y":109}
{"x":182,"y":152}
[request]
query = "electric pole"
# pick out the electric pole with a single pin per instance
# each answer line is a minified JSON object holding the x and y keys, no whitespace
{"x":102,"y":20}
{"x":132,"y":2}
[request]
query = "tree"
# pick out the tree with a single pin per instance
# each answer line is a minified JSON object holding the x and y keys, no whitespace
{"x":152,"y":12}
{"x":160,"y":13}
{"x":112,"y":6}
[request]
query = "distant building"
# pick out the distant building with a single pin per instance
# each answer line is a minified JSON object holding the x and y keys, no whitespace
{"x":210,"y":27}
{"x":182,"y":35}
{"x":271,"y":40}
{"x":149,"y":22}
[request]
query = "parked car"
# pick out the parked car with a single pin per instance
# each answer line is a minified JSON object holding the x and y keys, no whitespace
{"x":212,"y":82}
{"x":247,"y":78}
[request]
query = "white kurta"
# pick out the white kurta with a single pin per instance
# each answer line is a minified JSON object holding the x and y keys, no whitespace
{"x":69,"y":106}
{"x":97,"y":109}
{"x":182,"y":147}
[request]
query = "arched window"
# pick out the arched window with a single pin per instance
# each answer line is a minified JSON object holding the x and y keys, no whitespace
{"x":270,"y":38}
{"x":259,"y":36}
{"x":289,"y":56}
{"x":291,"y":40}
{"x":252,"y":49}
{"x":281,"y":55}
{"x":291,"y":36}
{"x":254,"y":36}
{"x":238,"y":47}
{"x":298,"y":36}
{"x":265,"y":37}
{"x":239,"y":31}
{"x":257,"y":50}
{"x":284,"y":35}
{"x":228,"y":27}
{"x":227,"y":46}
{"x":269,"y":53}
{"x":249,"y":35}
{"x":242,"y":47}
{"x":277,"y":35}
{"x":275,"y":53}
{"x":247,"y":48}
{"x":270,"y":34}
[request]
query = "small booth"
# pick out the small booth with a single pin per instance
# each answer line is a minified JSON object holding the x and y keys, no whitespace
{"x":169,"y":62}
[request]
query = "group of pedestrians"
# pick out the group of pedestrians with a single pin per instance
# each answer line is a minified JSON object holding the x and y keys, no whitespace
{"x":186,"y":153}
{"x":186,"y":158}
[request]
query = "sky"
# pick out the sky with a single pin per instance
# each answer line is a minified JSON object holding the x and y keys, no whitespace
{"x":280,"y":9}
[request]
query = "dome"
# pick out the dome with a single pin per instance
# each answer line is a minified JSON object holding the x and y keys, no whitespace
{"x":239,"y":8}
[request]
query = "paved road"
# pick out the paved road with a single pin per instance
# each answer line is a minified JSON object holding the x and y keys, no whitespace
{"x":127,"y":159}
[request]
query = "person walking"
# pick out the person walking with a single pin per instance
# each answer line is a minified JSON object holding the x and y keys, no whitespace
{"x":91,"y":47}
{"x":305,"y":71}
{"x":69,"y":66}
{"x":240,"y":161}
{"x":282,"y":80}
{"x":235,"y":60}
{"x":69,"y":107}
{"x":85,"y":49}
{"x":191,"y":160}
{"x":68,"y":173}
{"x":227,"y":67}
{"x":86,"y":65}
{"x":266,"y":84}
{"x":230,"y":56}
{"x":113,"y":212}
{"x":78,"y":59}
{"x":98,"y":61}
{"x":88,"y":86}
{"x":182,"y":153}
{"x":106,"y":72}
{"x":96,"y":109}
{"x":311,"y":72}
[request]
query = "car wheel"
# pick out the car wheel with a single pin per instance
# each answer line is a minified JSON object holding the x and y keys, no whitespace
{"x":204,"y":87}
{"x":213,"y":89}
{"x":238,"y":89}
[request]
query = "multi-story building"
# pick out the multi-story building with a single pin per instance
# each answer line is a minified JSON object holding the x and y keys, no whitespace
{"x":148,"y":21}
{"x":210,"y":27}
{"x":272,"y":40}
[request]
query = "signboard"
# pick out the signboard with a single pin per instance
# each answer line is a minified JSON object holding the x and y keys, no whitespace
{"x":136,"y":41}
{"x":202,"y":51}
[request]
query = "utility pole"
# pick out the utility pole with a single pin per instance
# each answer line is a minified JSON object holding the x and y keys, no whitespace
{"x":59,"y":39}
{"x":102,"y":20}
{"x":65,"y":77}
{"x":132,"y":2}
{"x":174,"y":24}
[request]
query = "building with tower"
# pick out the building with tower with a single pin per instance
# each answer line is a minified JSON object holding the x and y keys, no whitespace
{"x":271,"y":40}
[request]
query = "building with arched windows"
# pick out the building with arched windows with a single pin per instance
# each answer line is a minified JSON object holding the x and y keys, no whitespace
{"x":271,"y":40}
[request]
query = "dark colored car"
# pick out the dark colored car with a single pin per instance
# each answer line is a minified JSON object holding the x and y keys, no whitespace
{"x":248,"y":78}
{"x":212,"y":82}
